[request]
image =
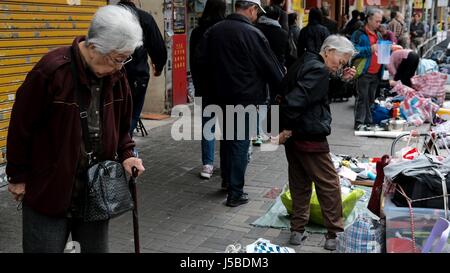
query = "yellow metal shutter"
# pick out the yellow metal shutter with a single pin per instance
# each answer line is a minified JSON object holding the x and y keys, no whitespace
{"x":28,"y":30}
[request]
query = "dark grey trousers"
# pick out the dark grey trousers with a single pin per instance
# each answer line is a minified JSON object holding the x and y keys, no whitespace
{"x":44,"y":234}
{"x":367,"y":87}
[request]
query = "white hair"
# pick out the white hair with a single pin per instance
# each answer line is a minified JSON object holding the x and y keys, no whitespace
{"x":114,"y":28}
{"x":339,"y":43}
{"x":372,"y":11}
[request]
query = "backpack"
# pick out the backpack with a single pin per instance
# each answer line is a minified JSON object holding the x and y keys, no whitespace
{"x":292,"y":45}
{"x":359,"y":64}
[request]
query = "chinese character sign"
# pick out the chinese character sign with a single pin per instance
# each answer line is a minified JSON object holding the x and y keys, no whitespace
{"x":179,"y":80}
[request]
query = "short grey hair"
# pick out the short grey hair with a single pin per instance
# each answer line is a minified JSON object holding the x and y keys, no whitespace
{"x":114,"y":28}
{"x":372,"y":11}
{"x":338,"y":43}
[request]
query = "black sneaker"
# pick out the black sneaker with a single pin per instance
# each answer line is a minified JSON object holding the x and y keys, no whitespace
{"x":243,"y":199}
{"x":361,"y":127}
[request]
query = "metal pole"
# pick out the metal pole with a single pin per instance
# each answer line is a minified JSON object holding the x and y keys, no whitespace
{"x":445,"y":18}
{"x":432,"y":17}
{"x":408,"y":15}
{"x":425,"y":18}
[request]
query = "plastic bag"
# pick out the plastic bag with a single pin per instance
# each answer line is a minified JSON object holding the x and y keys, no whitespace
{"x":365,"y":235}
{"x":265,"y":246}
{"x":315,"y":214}
{"x":409,"y":153}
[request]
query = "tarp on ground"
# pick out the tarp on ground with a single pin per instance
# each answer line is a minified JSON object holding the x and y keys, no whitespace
{"x":277,"y":216}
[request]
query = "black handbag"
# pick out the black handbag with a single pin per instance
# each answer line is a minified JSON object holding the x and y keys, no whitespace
{"x":107,"y":194}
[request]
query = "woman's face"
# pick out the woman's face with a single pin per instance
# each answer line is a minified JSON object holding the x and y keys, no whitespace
{"x":104,"y":65}
{"x":336,"y":61}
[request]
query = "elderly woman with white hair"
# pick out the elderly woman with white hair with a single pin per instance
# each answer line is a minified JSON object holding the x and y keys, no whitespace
{"x":305,"y":121}
{"x":47,"y":156}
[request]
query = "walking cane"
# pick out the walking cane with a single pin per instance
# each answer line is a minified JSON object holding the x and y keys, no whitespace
{"x":132,"y":185}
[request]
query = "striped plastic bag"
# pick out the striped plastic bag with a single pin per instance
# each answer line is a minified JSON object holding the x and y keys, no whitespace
{"x":365,"y":235}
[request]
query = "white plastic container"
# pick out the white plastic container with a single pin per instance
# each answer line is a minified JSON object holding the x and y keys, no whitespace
{"x":384,"y":51}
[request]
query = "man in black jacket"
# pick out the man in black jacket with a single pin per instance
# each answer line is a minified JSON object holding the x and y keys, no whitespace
{"x":238,"y":63}
{"x":138,"y":70}
{"x":329,"y":23}
{"x":275,"y":34}
{"x":312,"y":36}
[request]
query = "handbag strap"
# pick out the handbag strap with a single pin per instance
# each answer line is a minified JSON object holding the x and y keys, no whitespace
{"x":82,"y":108}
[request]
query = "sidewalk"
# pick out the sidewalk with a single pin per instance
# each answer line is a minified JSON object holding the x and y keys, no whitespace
{"x":179,"y":212}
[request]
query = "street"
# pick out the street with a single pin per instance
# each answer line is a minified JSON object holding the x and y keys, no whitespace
{"x":180,"y":212}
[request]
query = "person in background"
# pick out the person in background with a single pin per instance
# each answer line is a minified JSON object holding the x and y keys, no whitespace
{"x":312,"y":36}
{"x":417,"y":31}
{"x":386,"y":34}
{"x":329,"y":23}
{"x":293,"y":35}
{"x":397,"y":26}
{"x":305,"y":123}
{"x":213,"y":13}
{"x":343,"y":21}
{"x":365,"y":41}
{"x":403,"y":66}
{"x":138,"y":70}
{"x":362,"y":17}
{"x":354,"y":24}
{"x":238,"y":65}
{"x":284,"y":16}
{"x":277,"y":36}
{"x":46,"y":161}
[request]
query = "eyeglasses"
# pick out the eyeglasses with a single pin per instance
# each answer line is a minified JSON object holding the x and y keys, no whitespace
{"x":121,"y":63}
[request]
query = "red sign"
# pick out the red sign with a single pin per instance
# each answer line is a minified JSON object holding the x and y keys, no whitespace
{"x":179,"y":78}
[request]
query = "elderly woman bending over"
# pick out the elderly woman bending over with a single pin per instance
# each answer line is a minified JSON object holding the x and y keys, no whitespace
{"x":305,"y":121}
{"x":47,"y":158}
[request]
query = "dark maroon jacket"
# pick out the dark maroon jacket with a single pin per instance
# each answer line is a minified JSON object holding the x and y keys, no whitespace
{"x":44,"y":135}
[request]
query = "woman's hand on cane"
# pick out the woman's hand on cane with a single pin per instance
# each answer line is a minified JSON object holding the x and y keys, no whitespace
{"x":131,"y":162}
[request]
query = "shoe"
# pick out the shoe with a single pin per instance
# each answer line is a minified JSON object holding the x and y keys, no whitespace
{"x":297,"y":238}
{"x":207,"y":171}
{"x":376,"y":128}
{"x":361,"y":127}
{"x":330,"y":244}
{"x":243,"y":199}
{"x":258,"y":141}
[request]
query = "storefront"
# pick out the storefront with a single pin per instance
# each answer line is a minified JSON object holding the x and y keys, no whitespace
{"x":28,"y":30}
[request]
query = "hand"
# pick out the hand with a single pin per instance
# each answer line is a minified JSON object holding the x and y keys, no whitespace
{"x":396,"y":47}
{"x":155,"y":72}
{"x":17,"y":190}
{"x":349,"y":73}
{"x":131,"y":162}
{"x":283,"y":136}
{"x":374,"y":48}
{"x":392,"y":83}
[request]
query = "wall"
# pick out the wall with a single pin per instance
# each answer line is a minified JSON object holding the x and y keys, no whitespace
{"x":28,"y":30}
{"x":155,"y":99}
